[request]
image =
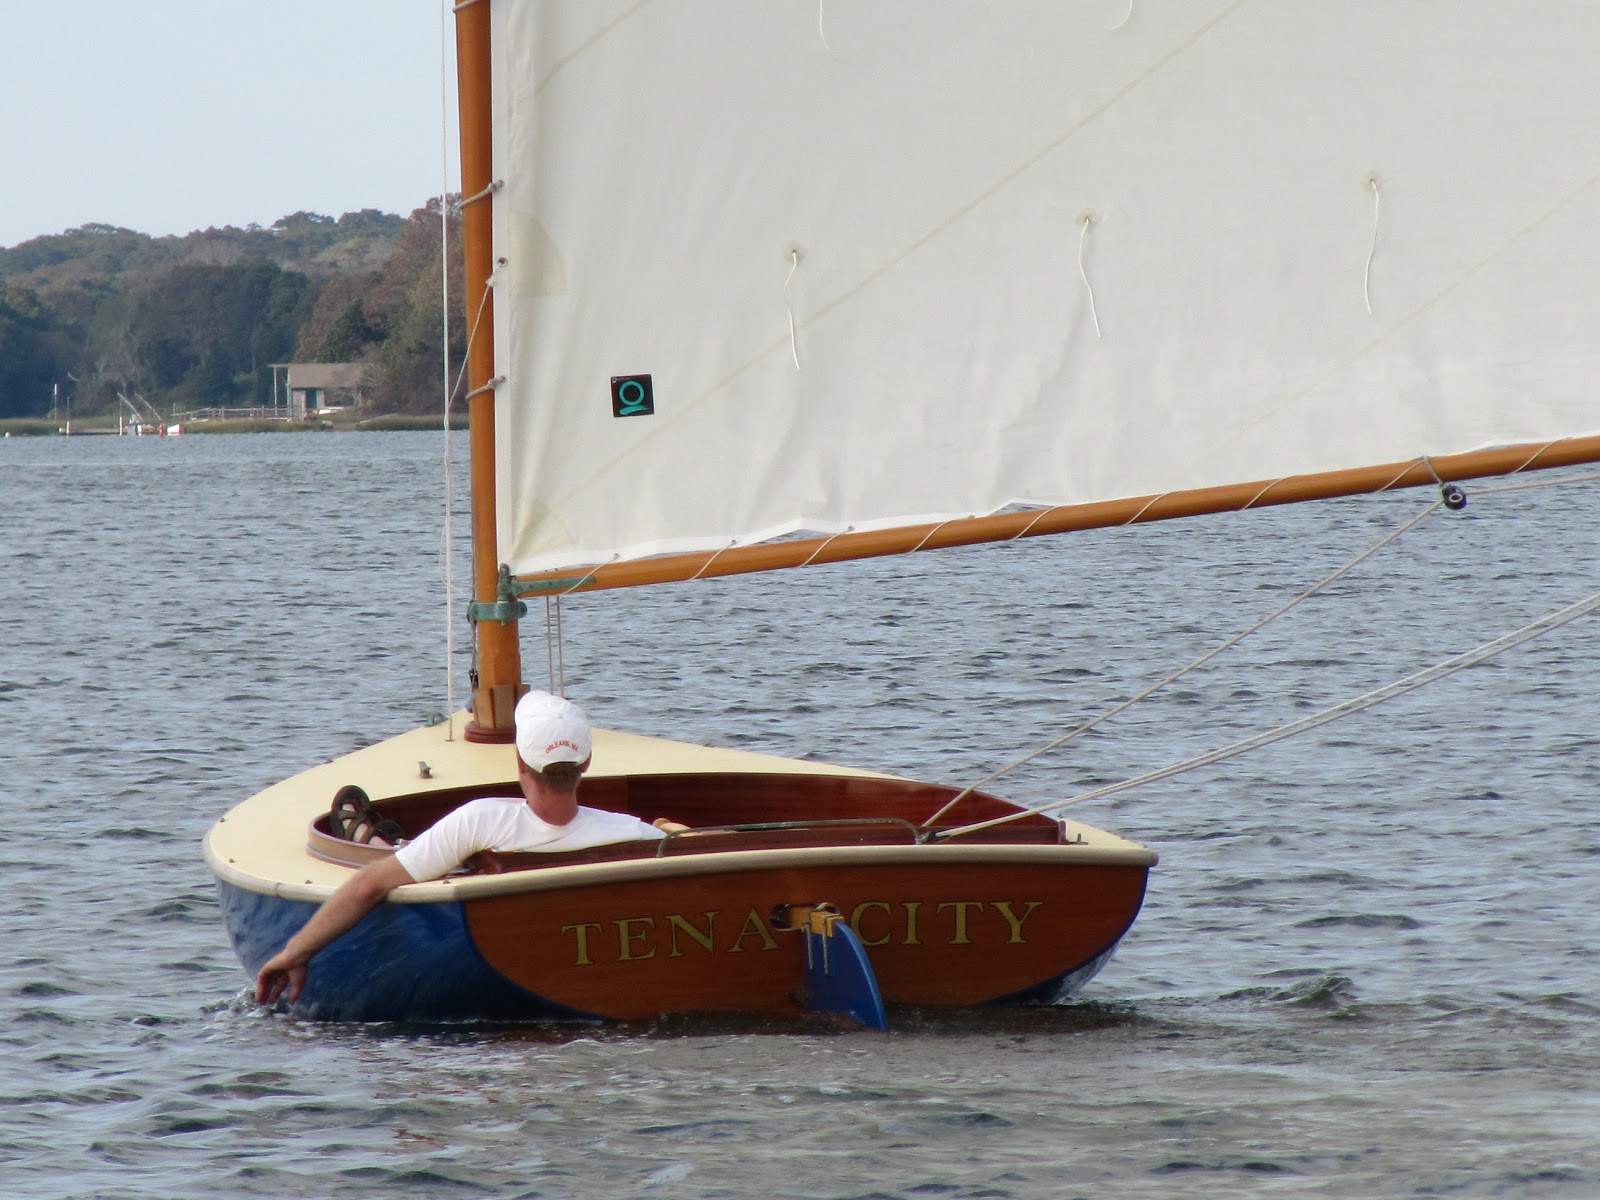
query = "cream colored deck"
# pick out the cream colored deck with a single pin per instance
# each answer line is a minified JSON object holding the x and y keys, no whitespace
{"x":261,"y":844}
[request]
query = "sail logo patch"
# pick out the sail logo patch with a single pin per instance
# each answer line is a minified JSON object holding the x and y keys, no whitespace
{"x":632,"y":396}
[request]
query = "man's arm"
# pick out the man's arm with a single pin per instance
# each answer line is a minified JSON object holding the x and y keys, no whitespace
{"x":359,"y":895}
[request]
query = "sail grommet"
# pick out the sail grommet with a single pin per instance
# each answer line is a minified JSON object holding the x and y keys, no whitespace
{"x":1453,"y":497}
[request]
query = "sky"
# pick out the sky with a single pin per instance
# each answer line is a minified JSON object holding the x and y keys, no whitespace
{"x":166,"y":116}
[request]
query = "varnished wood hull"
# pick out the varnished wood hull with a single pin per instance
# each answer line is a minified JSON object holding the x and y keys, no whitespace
{"x":936,"y":934}
{"x":1026,"y":913}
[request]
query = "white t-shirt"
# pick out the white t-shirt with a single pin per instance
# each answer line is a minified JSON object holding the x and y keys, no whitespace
{"x":508,"y":824}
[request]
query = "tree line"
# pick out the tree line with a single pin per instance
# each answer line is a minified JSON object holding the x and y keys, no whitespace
{"x":197,"y":321}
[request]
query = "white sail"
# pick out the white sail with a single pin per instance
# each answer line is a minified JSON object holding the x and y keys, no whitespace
{"x":1320,"y":234}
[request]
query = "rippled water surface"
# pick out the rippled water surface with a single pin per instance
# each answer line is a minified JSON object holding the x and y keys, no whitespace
{"x":1367,"y":966}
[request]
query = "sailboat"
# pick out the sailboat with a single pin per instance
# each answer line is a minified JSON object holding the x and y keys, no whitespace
{"x":758,"y":287}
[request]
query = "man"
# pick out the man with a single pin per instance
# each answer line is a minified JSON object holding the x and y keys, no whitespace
{"x":553,"y":751}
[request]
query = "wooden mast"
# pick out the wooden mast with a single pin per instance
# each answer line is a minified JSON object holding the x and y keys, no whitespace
{"x":499,"y":675}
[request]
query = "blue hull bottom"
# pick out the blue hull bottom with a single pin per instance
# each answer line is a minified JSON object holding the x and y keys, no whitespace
{"x":403,"y":962}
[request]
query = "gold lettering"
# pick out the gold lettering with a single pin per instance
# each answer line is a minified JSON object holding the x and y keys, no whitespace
{"x":675,"y":923}
{"x":626,"y":937}
{"x":753,"y":924}
{"x":1015,"y":921}
{"x":855,"y":922}
{"x":911,"y":923}
{"x":961,"y":906}
{"x":582,"y":932}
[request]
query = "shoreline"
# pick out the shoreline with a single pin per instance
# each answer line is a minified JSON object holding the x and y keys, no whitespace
{"x":107,"y":427}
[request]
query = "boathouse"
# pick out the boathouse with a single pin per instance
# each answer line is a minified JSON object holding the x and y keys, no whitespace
{"x":321,"y":387}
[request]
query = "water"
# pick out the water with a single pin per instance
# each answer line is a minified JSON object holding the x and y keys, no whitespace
{"x":1367,"y":966}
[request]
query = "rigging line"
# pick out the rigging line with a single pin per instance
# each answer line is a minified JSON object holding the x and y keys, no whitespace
{"x":561,"y":651}
{"x":1366,"y":277}
{"x":549,"y":651}
{"x":493,"y":187}
{"x":461,"y":376}
{"x":1128,"y":16}
{"x":1231,"y":642}
{"x":472,"y":336}
{"x":1442,"y":670}
{"x":1145,"y":507}
{"x":554,"y":646}
{"x":1523,"y":485}
{"x":1399,"y":477}
{"x":705,"y":566}
{"x":823,"y":545}
{"x":448,"y":547}
{"x":488,"y":387}
{"x":1021,"y":533}
{"x":821,"y":32}
{"x":567,"y":591}
{"x":794,"y":265}
{"x":1529,"y":461}
{"x":1085,"y":220}
{"x":1256,"y":499}
{"x":929,"y":535}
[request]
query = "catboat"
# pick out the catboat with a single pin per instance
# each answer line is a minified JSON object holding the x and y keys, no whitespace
{"x":695,"y":923}
{"x":761,"y":286}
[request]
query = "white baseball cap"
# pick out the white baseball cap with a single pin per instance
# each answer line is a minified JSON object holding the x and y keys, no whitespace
{"x":551,"y":729}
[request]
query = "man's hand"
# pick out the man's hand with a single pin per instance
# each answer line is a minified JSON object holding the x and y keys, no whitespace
{"x":285,"y":972}
{"x":280,"y":974}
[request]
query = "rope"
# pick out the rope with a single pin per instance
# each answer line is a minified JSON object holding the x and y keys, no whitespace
{"x":1523,"y":485}
{"x":488,"y":191}
{"x":822,"y":32}
{"x":1233,"y":641}
{"x":1366,"y":278}
{"x":705,"y":566}
{"x":823,"y":545}
{"x":1085,"y":220}
{"x":586,"y":578}
{"x":794,"y":265}
{"x":1128,"y":16}
{"x":555,"y":646}
{"x":1401,"y":687}
{"x":487,"y":387}
{"x":928,"y":537}
{"x":448,"y":535}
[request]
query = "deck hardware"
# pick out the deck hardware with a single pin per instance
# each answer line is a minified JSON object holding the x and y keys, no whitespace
{"x":1453,"y":497}
{"x":424,"y":770}
{"x":504,"y":611}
